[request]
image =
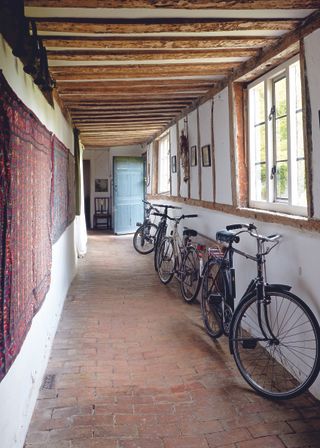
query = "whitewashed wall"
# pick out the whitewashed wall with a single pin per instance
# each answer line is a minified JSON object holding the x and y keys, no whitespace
{"x":206,"y":139}
{"x":193,"y":141}
{"x":312,"y":43}
{"x":19,"y":389}
{"x":183,"y":184}
{"x":173,"y":152}
{"x":221,"y":127}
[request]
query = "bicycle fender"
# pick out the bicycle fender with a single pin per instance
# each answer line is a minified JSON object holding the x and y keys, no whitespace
{"x":276,"y":287}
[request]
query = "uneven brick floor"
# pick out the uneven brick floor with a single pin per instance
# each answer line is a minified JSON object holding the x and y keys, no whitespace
{"x":134,"y":368}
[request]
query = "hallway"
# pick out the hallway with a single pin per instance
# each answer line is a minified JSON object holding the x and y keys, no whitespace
{"x":133,"y":367}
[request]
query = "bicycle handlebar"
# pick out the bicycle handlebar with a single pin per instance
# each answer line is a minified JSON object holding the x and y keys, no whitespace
{"x":168,"y":206}
{"x":183,"y":217}
{"x":241,"y":226}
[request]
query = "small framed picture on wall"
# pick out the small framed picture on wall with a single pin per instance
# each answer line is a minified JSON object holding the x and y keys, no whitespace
{"x":205,"y":154}
{"x":101,"y":185}
{"x":193,"y":155}
{"x":174,"y":164}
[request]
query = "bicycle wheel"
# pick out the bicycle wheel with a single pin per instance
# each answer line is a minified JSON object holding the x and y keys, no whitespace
{"x":211,"y":299}
{"x":190,"y":275}
{"x":144,"y":238}
{"x":280,"y":356}
{"x":161,"y":233}
{"x":166,"y":260}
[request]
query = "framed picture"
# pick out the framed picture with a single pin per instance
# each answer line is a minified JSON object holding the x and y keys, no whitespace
{"x":193,"y":155}
{"x":205,"y":153}
{"x":101,"y":185}
{"x":174,"y":164}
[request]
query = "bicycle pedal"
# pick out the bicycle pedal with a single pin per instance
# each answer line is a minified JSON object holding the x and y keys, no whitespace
{"x":249,"y":344}
{"x":215,"y":299}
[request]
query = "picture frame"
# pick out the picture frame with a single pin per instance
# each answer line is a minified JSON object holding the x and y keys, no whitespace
{"x":101,"y":185}
{"x":205,"y":155}
{"x":173,"y":164}
{"x":193,"y":151}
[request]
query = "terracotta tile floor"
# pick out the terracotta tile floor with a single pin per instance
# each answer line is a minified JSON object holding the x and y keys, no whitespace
{"x":134,"y":368}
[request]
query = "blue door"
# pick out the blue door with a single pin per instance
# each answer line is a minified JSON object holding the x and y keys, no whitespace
{"x":128,"y":185}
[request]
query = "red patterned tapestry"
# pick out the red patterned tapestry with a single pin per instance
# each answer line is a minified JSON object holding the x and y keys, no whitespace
{"x":63,"y":189}
{"x":25,"y":220}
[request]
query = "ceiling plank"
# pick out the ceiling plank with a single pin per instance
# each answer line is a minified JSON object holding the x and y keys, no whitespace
{"x":92,"y":55}
{"x":127,"y":26}
{"x":174,"y":42}
{"x":178,"y":4}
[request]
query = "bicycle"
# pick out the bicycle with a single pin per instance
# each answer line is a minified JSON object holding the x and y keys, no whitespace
{"x":178,"y":257}
{"x":273,"y":335}
{"x":162,"y":230}
{"x":145,"y":235}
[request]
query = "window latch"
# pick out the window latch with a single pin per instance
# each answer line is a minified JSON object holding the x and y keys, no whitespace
{"x":272,"y":112}
{"x":273,"y":171}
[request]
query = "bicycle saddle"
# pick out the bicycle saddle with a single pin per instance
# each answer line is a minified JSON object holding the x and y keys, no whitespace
{"x":227,"y":237}
{"x":190,"y":232}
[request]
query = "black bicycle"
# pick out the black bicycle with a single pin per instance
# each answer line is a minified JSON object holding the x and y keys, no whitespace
{"x":162,"y":230}
{"x":178,"y":257}
{"x":273,"y":335}
{"x":145,"y":235}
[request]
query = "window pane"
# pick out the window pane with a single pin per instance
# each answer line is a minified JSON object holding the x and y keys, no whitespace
{"x":260,"y":143}
{"x":297,"y":84}
{"x":259,"y":107}
{"x":281,"y":139}
{"x":260,"y":182}
{"x":299,"y":136}
{"x":282,"y":180}
{"x":280,"y":94}
{"x":301,"y":198}
{"x":164,"y":170}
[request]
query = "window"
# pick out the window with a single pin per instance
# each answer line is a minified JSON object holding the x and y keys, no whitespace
{"x":164,"y":165}
{"x":277,"y":161}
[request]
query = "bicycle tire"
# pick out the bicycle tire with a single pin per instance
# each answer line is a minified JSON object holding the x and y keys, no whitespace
{"x":166,"y":260}
{"x":190,"y":275}
{"x":211,"y":299}
{"x":159,"y":237}
{"x":282,"y":369}
{"x":144,"y":238}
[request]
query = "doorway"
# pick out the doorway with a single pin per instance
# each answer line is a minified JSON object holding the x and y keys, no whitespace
{"x":128,"y":190}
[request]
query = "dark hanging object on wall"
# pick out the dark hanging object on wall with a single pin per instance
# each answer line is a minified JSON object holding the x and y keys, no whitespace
{"x":22,"y":44}
{"x":32,"y":64}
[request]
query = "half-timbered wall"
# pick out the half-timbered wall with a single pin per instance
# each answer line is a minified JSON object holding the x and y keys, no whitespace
{"x":296,"y":260}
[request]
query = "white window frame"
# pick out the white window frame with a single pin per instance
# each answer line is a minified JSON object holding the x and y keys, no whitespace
{"x":164,"y":164}
{"x":271,"y":204}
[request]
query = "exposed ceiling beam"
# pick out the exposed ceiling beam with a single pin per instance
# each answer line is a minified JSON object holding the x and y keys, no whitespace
{"x":96,"y":55}
{"x":140,"y":71}
{"x":126,"y":26}
{"x":178,"y":4}
{"x":174,"y":42}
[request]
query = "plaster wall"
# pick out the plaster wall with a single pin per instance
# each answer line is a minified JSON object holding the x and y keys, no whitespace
{"x":221,"y":132}
{"x":173,"y":152}
{"x":206,"y":139}
{"x":193,"y":141}
{"x":19,"y":389}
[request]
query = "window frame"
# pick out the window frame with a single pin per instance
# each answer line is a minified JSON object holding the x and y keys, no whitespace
{"x":272,"y":203}
{"x":163,"y":137}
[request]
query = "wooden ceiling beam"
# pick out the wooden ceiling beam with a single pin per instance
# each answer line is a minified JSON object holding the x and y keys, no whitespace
{"x":157,"y":43}
{"x":95,"y":72}
{"x":178,"y":4}
{"x":148,"y":91}
{"x":163,"y":25}
{"x":139,"y":83}
{"x":102,"y":55}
